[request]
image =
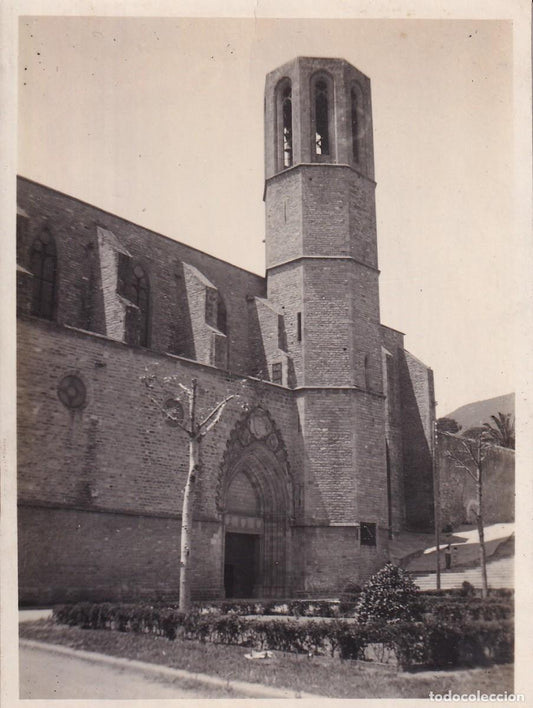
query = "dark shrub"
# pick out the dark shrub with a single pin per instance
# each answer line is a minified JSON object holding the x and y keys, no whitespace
{"x":467,"y":589}
{"x":388,"y":596}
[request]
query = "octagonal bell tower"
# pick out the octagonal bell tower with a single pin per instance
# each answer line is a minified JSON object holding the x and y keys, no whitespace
{"x":322,"y":275}
{"x":321,"y":250}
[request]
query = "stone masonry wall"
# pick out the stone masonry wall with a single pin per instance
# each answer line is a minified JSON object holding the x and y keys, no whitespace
{"x":68,"y":555}
{"x":345,"y":466}
{"x":273,"y":341}
{"x":116,"y":461}
{"x":417,"y":396}
{"x":392,"y":352}
{"x":325,"y":572}
{"x":73,"y":224}
{"x":118,"y":445}
{"x":457,"y":488}
{"x":285,"y":291}
{"x":283,"y":214}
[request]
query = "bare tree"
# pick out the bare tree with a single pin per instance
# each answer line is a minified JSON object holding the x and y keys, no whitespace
{"x":196,"y":429}
{"x":469,"y":454}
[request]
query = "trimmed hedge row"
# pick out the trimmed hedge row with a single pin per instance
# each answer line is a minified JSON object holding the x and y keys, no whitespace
{"x":292,"y":608}
{"x":457,"y":609}
{"x":432,"y":643}
{"x":502,"y":593}
{"x":454,"y":608}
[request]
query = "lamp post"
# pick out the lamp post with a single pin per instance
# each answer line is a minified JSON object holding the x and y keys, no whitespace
{"x":436,"y":501}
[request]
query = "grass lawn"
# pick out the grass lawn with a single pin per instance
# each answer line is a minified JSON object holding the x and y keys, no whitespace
{"x":320,"y":675}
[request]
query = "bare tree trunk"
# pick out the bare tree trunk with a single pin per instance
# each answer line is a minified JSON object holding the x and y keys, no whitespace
{"x":481,"y":533}
{"x":196,"y":430}
{"x":188,"y":496}
{"x":186,"y":524}
{"x":472,"y":464}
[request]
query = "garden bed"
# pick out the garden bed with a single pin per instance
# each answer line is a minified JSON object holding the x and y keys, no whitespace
{"x":456,"y":640}
{"x":325,"y":676}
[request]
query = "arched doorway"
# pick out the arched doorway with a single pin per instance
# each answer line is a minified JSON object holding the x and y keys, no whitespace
{"x":255,"y":498}
{"x":243,"y":538}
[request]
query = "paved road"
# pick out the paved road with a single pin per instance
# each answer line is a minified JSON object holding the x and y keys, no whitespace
{"x":48,"y":675}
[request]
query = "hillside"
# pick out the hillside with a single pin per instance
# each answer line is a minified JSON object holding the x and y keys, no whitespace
{"x":479,"y":412}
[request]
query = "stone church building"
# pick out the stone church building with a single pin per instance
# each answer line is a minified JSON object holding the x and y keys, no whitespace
{"x":322,"y":459}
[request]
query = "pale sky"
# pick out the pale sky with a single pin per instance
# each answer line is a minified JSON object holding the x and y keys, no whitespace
{"x":160,"y":121}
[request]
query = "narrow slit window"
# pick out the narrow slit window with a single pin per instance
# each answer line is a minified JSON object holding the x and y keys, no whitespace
{"x":321,"y":118}
{"x":222,"y":315}
{"x":355,"y":125}
{"x":299,"y":326}
{"x":282,"y":344}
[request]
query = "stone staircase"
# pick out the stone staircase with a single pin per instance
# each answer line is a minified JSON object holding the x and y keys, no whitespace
{"x":500,"y":574}
{"x":416,"y":553}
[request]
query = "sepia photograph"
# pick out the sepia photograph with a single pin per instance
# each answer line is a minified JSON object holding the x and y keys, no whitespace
{"x":271,"y":279}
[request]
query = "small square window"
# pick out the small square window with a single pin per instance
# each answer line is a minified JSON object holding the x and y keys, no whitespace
{"x":368,"y":534}
{"x":277,"y":373}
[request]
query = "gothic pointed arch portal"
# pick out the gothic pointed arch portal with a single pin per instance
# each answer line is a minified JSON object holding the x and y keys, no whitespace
{"x":255,"y":501}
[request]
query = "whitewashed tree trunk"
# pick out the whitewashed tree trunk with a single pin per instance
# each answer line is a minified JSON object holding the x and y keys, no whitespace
{"x":186,"y":524}
{"x":196,"y":431}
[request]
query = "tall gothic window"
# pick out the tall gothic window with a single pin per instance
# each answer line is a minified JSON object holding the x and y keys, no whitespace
{"x":215,"y":310}
{"x":321,"y":100}
{"x":43,"y":265}
{"x":284,"y":119}
{"x":138,"y":291}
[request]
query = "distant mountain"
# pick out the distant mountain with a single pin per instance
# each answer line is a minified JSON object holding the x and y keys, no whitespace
{"x":473,"y":415}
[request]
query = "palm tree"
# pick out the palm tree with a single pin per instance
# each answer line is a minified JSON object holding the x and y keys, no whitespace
{"x":501,"y":430}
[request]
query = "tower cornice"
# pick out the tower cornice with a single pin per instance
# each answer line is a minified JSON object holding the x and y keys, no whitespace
{"x":289,"y":170}
{"x":323,"y":258}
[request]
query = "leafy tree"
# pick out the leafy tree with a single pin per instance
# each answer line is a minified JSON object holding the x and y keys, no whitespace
{"x":502,"y":430}
{"x":389,"y":596}
{"x":474,"y":432}
{"x":447,"y":425}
